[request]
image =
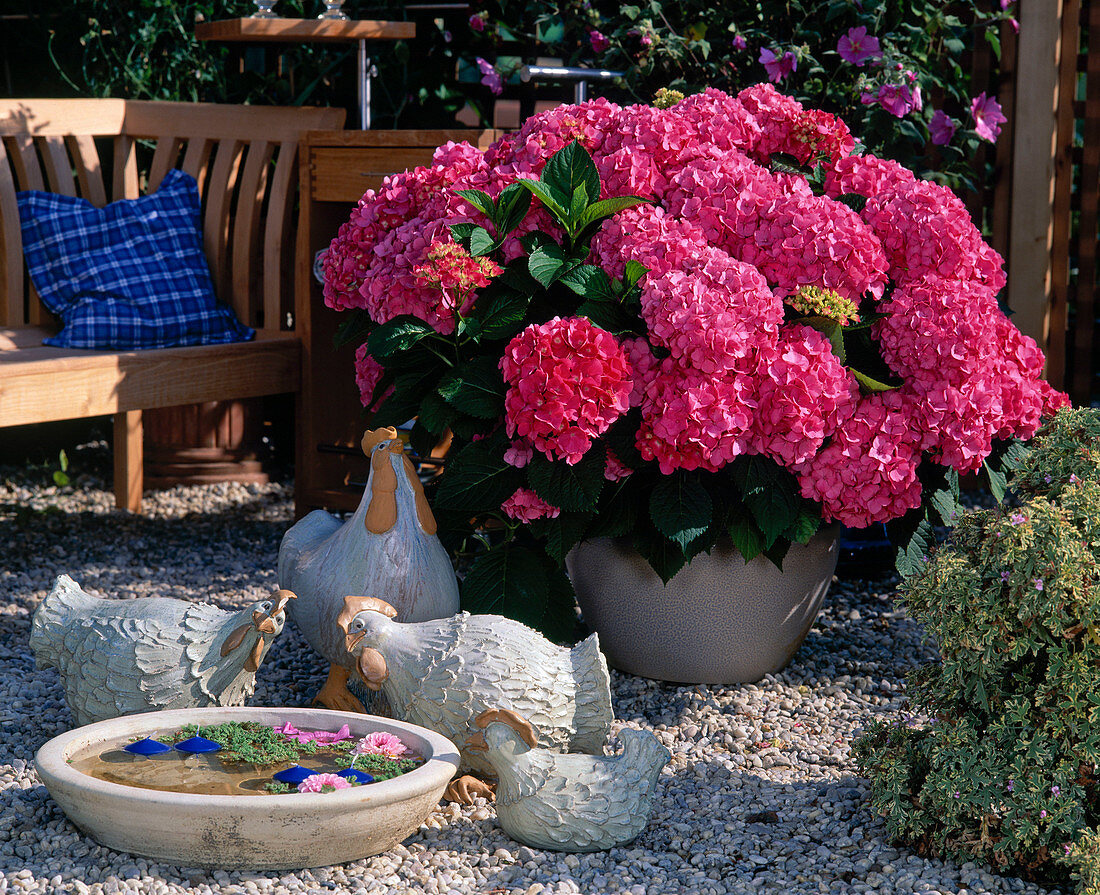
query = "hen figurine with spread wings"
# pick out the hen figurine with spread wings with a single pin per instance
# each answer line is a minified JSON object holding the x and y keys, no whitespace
{"x":388,"y":546}
{"x":573,"y":803}
{"x":120,"y":657}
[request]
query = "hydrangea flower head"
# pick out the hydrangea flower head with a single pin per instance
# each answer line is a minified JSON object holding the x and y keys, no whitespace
{"x":568,"y":381}
{"x":526,"y":506}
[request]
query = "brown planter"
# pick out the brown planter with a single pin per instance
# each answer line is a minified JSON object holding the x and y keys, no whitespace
{"x":202,"y":444}
{"x":718,"y":621}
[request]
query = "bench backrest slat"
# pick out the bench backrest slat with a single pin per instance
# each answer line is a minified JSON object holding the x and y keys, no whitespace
{"x":244,"y":159}
{"x":89,"y":170}
{"x":247,"y":267}
{"x":11,"y":248}
{"x":277,"y":300}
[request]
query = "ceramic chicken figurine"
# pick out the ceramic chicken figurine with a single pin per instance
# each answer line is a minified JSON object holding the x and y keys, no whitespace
{"x":574,"y":803}
{"x":389,"y":547}
{"x":121,"y":657}
{"x":441,"y":674}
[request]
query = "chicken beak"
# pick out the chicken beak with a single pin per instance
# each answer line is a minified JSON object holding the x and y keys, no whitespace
{"x":372,"y":665}
{"x":476,"y":742}
{"x":265,"y":624}
{"x":235,"y":639}
{"x":282,"y":597}
{"x":351,"y":641}
{"x":252,"y":664}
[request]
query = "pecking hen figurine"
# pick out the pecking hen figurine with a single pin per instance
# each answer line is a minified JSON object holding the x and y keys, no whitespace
{"x":389,"y":546}
{"x":121,"y":657}
{"x":574,"y":803}
{"x":442,"y":674}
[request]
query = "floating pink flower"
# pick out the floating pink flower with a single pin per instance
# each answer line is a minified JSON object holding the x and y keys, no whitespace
{"x":778,"y":67}
{"x":942,"y":128}
{"x":568,"y":381}
{"x":323,"y":737}
{"x":857,"y":47}
{"x":380,"y":743}
{"x":324,"y":783}
{"x":988,"y":117}
{"x":526,"y":506}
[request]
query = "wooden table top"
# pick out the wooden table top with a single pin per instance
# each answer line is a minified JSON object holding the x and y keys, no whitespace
{"x":279,"y":30}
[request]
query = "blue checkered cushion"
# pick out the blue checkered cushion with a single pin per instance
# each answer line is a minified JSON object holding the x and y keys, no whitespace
{"x":129,"y":275}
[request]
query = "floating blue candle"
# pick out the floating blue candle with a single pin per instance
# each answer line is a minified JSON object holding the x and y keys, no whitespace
{"x":360,"y":777}
{"x":294,"y":775}
{"x":147,"y":747}
{"x":198,"y":744}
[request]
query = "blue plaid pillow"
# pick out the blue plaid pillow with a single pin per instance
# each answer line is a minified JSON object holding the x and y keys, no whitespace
{"x":130,"y":275}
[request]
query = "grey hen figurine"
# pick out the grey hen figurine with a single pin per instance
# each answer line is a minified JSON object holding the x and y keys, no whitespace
{"x":388,"y":546}
{"x":573,"y":803}
{"x":441,"y":674}
{"x":121,"y":657}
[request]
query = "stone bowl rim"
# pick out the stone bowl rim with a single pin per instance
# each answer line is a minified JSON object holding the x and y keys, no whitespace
{"x":438,"y":768}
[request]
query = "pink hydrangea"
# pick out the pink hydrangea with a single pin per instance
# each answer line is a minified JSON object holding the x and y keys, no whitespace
{"x":568,"y":381}
{"x":324,"y":783}
{"x":380,"y":742}
{"x":717,"y":372}
{"x":692,"y":420}
{"x":526,"y":506}
{"x":368,"y":373}
{"x":802,"y":394}
{"x":868,"y":471}
{"x":711,"y":311}
{"x":614,"y":469}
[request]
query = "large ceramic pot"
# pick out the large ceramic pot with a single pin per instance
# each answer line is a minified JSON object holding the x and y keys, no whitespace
{"x":720,"y":620}
{"x":269,"y":832}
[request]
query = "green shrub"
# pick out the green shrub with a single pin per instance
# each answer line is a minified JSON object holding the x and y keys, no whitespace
{"x":1004,"y":770}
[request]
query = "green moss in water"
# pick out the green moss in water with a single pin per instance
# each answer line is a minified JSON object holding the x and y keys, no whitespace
{"x":258,"y":744}
{"x":277,"y":788}
{"x":381,"y":767}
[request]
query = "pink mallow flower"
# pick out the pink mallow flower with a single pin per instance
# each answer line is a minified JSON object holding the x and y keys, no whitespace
{"x":778,"y":67}
{"x":942,"y":128}
{"x":490,"y":77}
{"x":477,"y":22}
{"x":988,"y":117}
{"x":526,"y":506}
{"x":898,"y":99}
{"x":568,"y":381}
{"x":380,"y":743}
{"x":600,"y":42}
{"x":857,"y":47}
{"x":324,"y":783}
{"x":323,"y":737}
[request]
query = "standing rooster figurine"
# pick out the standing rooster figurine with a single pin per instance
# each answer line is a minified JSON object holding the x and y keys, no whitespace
{"x":120,"y":657}
{"x":389,"y":546}
{"x":573,"y":803}
{"x":441,"y":674}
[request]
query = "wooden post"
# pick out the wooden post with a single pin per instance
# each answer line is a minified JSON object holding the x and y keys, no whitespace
{"x":129,"y":461}
{"x":1031,"y":234}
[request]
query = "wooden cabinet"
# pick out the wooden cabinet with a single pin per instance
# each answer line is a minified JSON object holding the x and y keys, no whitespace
{"x":337,"y":167}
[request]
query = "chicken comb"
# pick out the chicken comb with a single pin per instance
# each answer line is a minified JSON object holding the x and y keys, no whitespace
{"x":353,"y":605}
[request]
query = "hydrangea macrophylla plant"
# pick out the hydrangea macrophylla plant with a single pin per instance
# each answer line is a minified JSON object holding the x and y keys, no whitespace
{"x":677,"y":324}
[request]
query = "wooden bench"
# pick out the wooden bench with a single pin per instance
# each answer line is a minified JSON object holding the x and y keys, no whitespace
{"x":245,"y":161}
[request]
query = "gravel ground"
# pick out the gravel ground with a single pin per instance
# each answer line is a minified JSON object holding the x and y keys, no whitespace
{"x":761,"y":794}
